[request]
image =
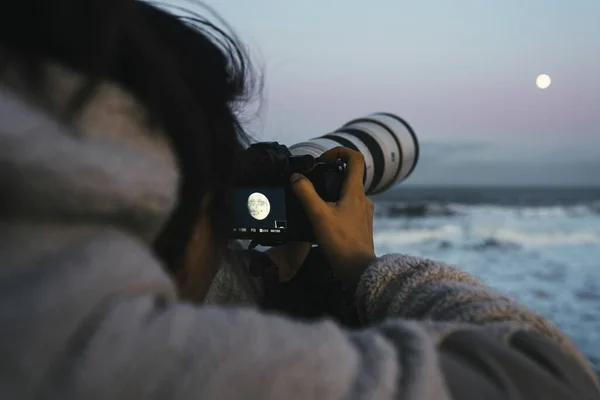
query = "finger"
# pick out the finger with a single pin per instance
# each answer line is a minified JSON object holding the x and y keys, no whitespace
{"x":370,"y":210}
{"x":338,"y":152}
{"x":313,"y":204}
{"x":355,"y":161}
{"x":370,"y":206}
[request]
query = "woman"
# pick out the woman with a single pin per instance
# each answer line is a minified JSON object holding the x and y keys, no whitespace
{"x":117,"y":135}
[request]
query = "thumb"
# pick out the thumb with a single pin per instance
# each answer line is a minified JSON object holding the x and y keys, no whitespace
{"x":311,"y":201}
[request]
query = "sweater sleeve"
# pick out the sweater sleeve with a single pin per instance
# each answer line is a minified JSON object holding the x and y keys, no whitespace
{"x":96,"y":318}
{"x":451,"y":304}
{"x":402,"y":286}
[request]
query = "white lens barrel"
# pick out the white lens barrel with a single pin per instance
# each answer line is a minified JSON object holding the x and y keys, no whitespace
{"x":409,"y":144}
{"x":388,"y":144}
{"x":318,"y":146}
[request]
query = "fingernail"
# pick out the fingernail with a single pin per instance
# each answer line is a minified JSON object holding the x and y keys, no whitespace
{"x":296,"y":177}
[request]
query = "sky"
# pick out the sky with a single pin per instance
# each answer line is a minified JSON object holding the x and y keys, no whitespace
{"x":461,"y":72}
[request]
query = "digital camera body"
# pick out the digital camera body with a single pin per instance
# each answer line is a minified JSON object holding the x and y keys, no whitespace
{"x":265,"y":209}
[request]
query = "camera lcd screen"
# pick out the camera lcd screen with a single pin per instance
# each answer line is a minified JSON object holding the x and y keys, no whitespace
{"x":259,"y":210}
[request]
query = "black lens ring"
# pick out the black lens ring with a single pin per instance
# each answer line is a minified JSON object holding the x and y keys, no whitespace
{"x":346,"y":143}
{"x":400,"y":154}
{"x":375,"y":150}
{"x":414,"y":137}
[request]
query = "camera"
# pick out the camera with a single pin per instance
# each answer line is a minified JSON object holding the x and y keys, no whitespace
{"x":266,"y":211}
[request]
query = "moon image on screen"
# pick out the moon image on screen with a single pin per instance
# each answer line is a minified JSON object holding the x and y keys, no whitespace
{"x":259,"y":206}
{"x":543,"y":81}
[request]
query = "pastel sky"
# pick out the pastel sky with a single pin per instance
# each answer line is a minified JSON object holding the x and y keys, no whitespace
{"x":461,"y":72}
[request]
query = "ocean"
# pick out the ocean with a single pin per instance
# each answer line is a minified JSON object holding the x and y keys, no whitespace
{"x":540,"y":246}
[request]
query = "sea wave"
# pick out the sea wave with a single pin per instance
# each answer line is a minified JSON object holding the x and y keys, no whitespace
{"x":493,"y":243}
{"x":419,"y":235}
{"x":523,"y":238}
{"x":480,"y":238}
{"x":539,"y":246}
{"x":420,"y":210}
{"x":439,"y":209}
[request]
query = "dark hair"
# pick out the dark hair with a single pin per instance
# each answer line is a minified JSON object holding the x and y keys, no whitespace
{"x":187,"y":72}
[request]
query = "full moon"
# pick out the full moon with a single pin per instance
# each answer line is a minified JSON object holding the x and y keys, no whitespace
{"x":258,"y":206}
{"x":543,"y":81}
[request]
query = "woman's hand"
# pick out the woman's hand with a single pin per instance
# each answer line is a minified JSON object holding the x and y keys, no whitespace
{"x":344,"y":230}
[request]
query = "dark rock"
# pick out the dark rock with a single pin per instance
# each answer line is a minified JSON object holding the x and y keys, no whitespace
{"x":444,"y":244}
{"x":587,"y":295}
{"x":589,"y":317}
{"x":495,"y":243}
{"x":540,"y":294}
{"x":420,"y":210}
{"x":549,"y":275}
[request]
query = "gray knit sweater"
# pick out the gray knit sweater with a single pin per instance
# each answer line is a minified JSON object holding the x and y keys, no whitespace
{"x":87,"y":312}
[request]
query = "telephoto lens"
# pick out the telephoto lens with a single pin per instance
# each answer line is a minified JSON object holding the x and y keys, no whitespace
{"x":387,"y":142}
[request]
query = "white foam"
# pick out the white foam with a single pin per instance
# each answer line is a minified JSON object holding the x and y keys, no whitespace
{"x":484,"y":231}
{"x":404,"y":236}
{"x":539,"y":239}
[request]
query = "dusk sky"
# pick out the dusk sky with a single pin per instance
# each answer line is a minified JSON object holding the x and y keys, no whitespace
{"x":462,"y":73}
